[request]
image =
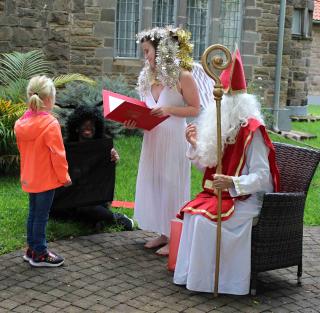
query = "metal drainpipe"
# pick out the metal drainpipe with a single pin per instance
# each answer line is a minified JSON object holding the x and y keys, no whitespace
{"x":279,"y":65}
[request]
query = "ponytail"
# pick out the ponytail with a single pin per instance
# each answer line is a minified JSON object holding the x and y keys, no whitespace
{"x":35,"y":103}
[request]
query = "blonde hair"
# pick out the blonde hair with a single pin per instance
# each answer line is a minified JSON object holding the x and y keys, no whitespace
{"x":40,"y":88}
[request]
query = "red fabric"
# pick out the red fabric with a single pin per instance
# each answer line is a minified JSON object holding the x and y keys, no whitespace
{"x":122,"y":204}
{"x":233,"y":161}
{"x":233,"y":78}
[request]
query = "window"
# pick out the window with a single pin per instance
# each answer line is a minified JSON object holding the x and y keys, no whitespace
{"x":302,"y":22}
{"x":197,"y":11}
{"x":297,"y":21}
{"x":163,"y":13}
{"x":308,"y":23}
{"x":230,"y":27}
{"x":127,"y":26}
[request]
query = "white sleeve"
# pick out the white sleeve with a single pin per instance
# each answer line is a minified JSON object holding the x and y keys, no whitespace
{"x":259,"y":177}
{"x":192,"y":154}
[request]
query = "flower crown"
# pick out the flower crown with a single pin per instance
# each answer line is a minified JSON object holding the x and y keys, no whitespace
{"x":173,"y":54}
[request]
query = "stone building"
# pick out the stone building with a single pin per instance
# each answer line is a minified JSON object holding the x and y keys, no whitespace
{"x":314,"y":74}
{"x":97,"y":37}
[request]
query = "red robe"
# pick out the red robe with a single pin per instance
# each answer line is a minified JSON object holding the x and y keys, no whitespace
{"x":233,"y":161}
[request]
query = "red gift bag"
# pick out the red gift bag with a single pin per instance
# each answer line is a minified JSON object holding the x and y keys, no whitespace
{"x":175,"y":234}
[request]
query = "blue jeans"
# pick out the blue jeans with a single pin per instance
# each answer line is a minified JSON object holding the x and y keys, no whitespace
{"x":39,"y":208}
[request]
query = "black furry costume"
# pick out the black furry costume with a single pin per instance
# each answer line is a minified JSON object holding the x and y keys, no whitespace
{"x":95,"y":214}
{"x":79,"y":116}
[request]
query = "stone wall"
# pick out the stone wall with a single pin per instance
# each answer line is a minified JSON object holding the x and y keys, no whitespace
{"x":75,"y":35}
{"x":260,"y":48}
{"x":78,"y":36}
{"x":300,"y":63}
{"x":27,"y":25}
{"x":300,"y":53}
{"x":314,"y":73}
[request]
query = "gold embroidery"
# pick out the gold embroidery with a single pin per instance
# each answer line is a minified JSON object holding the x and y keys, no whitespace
{"x":242,"y":157}
{"x":211,"y":216}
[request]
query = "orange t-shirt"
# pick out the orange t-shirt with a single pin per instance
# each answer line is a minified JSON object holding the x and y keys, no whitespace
{"x":43,"y":163}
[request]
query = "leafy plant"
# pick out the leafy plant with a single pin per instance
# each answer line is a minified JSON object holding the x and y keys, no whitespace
{"x":76,"y":94}
{"x":16,"y":65}
{"x":62,"y":80}
{"x":9,"y":113}
{"x":17,"y":68}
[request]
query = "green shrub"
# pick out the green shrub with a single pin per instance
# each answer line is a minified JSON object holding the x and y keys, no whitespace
{"x":76,"y":94}
{"x":16,"y":69}
{"x":9,"y":156}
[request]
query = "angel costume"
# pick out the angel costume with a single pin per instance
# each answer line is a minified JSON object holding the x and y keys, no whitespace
{"x":163,"y":182}
{"x":249,"y":158}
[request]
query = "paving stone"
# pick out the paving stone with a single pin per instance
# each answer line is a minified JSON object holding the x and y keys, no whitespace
{"x":73,"y":309}
{"x":49,"y":309}
{"x":9,"y":304}
{"x":25,"y":309}
{"x":114,"y":273}
{"x":60,"y":303}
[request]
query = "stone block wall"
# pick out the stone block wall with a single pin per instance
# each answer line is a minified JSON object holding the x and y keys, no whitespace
{"x":259,"y":48}
{"x":314,"y":73}
{"x":78,"y":36}
{"x":28,"y":25}
{"x":300,"y":54}
{"x":299,"y":71}
{"x":75,"y":35}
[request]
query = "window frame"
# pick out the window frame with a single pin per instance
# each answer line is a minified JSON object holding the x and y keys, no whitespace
{"x":115,"y":48}
{"x":306,"y":21}
{"x":301,"y":21}
{"x":238,"y":27}
{"x":208,"y":18}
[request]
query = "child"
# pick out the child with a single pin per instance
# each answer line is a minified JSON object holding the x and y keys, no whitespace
{"x":43,"y":166}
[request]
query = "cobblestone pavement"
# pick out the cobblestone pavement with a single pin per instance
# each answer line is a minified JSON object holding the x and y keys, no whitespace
{"x":114,"y":273}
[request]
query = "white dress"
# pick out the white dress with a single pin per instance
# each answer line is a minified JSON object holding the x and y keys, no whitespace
{"x":163,"y":182}
{"x":195,"y":265}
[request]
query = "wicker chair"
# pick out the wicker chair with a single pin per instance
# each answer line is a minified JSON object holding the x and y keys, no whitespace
{"x":277,"y":237}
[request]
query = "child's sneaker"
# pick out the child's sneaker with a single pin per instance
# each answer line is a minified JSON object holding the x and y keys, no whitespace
{"x":47,"y":259}
{"x":28,"y":255}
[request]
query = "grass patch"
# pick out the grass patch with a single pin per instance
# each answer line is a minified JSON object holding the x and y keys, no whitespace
{"x":14,"y":202}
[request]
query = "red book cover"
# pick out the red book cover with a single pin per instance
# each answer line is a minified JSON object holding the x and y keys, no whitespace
{"x":121,"y":108}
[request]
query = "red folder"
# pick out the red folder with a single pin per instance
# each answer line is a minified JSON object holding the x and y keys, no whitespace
{"x":121,"y":108}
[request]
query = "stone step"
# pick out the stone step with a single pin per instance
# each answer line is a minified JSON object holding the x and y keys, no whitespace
{"x":297,"y":135}
{"x":306,"y":118}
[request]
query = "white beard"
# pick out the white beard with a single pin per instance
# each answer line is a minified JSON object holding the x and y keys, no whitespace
{"x":235,"y":112}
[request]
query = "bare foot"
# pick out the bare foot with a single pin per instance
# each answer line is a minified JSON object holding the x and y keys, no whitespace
{"x":157,"y":242}
{"x":164,"y":251}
